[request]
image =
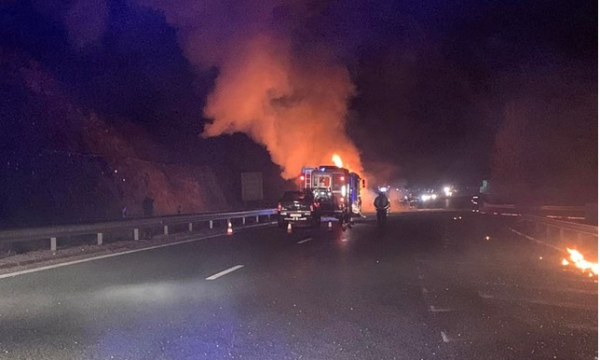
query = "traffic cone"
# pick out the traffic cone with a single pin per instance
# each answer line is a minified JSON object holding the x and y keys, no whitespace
{"x":289,"y":228}
{"x":229,"y":228}
{"x":329,"y":226}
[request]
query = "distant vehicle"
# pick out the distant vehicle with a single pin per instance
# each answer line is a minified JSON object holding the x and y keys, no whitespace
{"x":298,"y":207}
{"x":411,"y":201}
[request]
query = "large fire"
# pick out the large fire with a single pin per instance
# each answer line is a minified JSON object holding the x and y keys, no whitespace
{"x":337,"y":160}
{"x":580,"y":262}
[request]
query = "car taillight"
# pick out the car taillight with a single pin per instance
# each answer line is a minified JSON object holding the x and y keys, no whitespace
{"x":278,"y":206}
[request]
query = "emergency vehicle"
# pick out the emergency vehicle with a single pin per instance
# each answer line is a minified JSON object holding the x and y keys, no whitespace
{"x":336,"y":190}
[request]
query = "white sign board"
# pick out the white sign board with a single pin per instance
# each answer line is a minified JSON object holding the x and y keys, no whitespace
{"x":252,"y":186}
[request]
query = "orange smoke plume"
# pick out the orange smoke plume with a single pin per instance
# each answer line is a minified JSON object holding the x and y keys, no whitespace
{"x":297,"y":112}
{"x":294,"y":102}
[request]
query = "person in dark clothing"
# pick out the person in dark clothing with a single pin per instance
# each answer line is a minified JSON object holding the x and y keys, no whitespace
{"x":148,"y":205}
{"x":382,"y":205}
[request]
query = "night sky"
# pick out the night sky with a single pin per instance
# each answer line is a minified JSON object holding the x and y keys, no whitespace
{"x":435,"y":82}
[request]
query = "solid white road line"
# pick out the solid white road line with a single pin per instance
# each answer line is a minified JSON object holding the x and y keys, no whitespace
{"x":305,"y":240}
{"x":563,"y":304}
{"x":54,"y":266}
{"x":568,"y":305}
{"x":536,"y":240}
{"x":583,"y":280}
{"x":224,"y":272}
{"x":583,"y":327}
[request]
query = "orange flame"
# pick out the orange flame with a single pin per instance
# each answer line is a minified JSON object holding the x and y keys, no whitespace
{"x":337,"y":160}
{"x":581,"y":263}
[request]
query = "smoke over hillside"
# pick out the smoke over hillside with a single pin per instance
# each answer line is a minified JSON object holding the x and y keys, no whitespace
{"x":287,"y":92}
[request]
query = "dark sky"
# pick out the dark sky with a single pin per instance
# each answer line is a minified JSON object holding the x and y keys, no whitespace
{"x":432,"y":77}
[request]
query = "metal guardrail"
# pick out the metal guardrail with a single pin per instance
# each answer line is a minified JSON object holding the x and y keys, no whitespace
{"x":54,"y":232}
{"x":550,"y":211}
{"x":562,"y":226}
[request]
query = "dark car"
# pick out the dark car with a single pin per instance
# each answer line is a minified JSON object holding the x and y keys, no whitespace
{"x":298,"y":207}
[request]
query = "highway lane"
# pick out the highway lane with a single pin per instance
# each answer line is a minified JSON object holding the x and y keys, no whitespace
{"x":427,"y":286}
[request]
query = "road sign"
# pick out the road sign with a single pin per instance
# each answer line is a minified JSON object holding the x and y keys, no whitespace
{"x":252,"y":186}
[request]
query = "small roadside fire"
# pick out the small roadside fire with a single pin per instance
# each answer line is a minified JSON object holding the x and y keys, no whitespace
{"x":580,"y":262}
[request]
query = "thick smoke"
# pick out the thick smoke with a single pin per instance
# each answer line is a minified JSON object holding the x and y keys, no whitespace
{"x":286,"y":95}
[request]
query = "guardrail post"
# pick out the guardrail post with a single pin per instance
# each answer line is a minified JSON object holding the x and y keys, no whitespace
{"x":190,"y":227}
{"x":53,"y":244}
{"x":100,"y":238}
{"x":166,"y":229}
{"x":257,"y":219}
{"x":210,"y":224}
{"x":243,"y":221}
{"x":136,"y":234}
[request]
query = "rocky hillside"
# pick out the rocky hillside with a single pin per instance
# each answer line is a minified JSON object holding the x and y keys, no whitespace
{"x":79,"y":166}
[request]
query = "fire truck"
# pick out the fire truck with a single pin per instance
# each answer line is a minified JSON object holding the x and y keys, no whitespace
{"x":336,"y":190}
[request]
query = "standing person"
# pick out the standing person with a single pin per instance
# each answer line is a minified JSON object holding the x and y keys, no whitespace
{"x":382,"y":205}
{"x":148,"y":205}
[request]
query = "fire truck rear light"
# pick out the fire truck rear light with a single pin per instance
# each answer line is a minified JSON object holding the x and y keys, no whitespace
{"x":302,"y":177}
{"x":342,"y":178}
{"x":279,"y":207}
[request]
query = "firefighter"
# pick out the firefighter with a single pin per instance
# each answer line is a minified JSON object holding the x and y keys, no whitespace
{"x":382,"y":205}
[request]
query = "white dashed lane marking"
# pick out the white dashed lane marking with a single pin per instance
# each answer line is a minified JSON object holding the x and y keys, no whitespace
{"x":224,"y":272}
{"x":447,"y":339}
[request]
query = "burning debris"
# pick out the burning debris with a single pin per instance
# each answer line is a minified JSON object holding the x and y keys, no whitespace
{"x":580,"y":262}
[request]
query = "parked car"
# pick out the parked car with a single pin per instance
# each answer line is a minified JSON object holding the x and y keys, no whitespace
{"x":298,"y":207}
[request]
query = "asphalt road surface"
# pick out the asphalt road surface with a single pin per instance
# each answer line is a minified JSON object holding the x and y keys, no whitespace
{"x":427,"y":286}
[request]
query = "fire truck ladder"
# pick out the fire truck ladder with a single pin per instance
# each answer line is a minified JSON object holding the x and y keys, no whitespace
{"x":307,"y":179}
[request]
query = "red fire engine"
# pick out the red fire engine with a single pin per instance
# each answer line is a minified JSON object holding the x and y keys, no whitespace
{"x":336,"y":190}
